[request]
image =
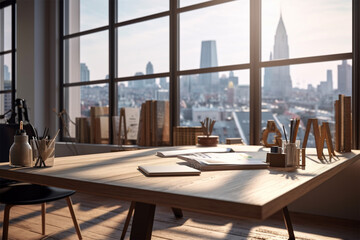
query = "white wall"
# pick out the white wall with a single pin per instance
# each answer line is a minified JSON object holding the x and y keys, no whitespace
{"x":37,"y":60}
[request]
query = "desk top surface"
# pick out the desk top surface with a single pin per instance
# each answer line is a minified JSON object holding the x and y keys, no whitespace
{"x":254,"y":193}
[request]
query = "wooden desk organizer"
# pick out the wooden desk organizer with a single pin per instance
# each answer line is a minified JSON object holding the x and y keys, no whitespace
{"x":276,"y":159}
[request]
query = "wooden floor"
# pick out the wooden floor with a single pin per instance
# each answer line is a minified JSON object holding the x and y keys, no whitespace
{"x":102,"y":218}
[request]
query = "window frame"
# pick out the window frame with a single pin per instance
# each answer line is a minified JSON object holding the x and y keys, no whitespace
{"x":12,"y":51}
{"x":254,"y":66}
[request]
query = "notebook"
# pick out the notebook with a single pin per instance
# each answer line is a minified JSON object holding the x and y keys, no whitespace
{"x":168,"y":170}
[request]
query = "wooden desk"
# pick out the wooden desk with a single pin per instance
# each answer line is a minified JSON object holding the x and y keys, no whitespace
{"x":255,"y":194}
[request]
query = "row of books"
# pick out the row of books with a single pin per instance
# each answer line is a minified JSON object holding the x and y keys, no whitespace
{"x":154,"y":124}
{"x":186,"y":135}
{"x":149,"y":126}
{"x":93,"y":129}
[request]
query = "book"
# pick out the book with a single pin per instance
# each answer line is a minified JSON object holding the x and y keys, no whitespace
{"x":164,"y":131}
{"x":148,"y":118}
{"x":96,"y":132}
{"x":168,"y":170}
{"x":101,"y":130}
{"x":175,"y":153}
{"x":154,"y":123}
{"x":155,"y":115}
{"x":337,"y":125}
{"x":142,"y":126}
{"x":131,"y":122}
{"x":223,"y":161}
{"x":347,"y":124}
{"x":82,"y":130}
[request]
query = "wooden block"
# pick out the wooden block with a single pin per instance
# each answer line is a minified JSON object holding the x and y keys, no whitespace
{"x":174,"y":143}
{"x":319,"y":144}
{"x":142,"y":126}
{"x":303,"y":157}
{"x":276,"y":159}
{"x":341,"y":103}
{"x":337,"y":125}
{"x":148,"y":123}
{"x":347,"y":124}
{"x":96,"y":112}
{"x":82,"y":130}
{"x":307,"y":132}
{"x":234,"y":141}
{"x":165,"y":140}
{"x":154,"y":126}
{"x":102,"y":130}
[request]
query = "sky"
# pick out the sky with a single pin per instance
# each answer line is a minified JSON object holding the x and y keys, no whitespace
{"x":313,"y":27}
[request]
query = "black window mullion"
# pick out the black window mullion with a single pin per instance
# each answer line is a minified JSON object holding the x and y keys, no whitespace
{"x":174,"y":65}
{"x":61,"y":65}
{"x":112,"y":93}
{"x":13,"y":55}
{"x":255,"y":71}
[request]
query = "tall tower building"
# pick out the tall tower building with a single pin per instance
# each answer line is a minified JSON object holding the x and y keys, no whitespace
{"x":277,"y":80}
{"x":329,"y":81}
{"x":209,"y":81}
{"x":344,"y":78}
{"x":84,"y":73}
{"x":150,"y":70}
{"x":6,"y":73}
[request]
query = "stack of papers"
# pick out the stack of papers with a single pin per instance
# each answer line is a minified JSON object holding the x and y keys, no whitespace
{"x":193,"y":150}
{"x":223,"y":161}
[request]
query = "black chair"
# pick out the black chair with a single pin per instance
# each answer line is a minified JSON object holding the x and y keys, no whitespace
{"x":28,"y":194}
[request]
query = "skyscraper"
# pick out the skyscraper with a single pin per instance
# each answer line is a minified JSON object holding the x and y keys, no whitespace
{"x":6,"y":85}
{"x":209,"y":81}
{"x":329,"y":80}
{"x":344,"y":78}
{"x":6,"y":73}
{"x":277,"y":80}
{"x":326,"y":88}
{"x":150,"y":70}
{"x":84,"y":73}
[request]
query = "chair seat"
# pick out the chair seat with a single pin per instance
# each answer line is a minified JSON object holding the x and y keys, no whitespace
{"x":25,"y":194}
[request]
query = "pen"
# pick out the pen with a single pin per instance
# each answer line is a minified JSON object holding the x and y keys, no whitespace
{"x":285,"y":133}
{"x":291,"y":129}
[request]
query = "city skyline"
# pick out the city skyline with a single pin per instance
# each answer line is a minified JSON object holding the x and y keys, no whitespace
{"x":328,"y":24}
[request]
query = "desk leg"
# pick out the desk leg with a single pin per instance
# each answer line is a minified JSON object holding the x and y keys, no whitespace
{"x":143,"y":220}
{"x":288,"y":223}
{"x":177,"y":212}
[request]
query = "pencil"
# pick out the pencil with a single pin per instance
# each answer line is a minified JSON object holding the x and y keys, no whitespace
{"x":296,"y":128}
{"x":285,"y":134}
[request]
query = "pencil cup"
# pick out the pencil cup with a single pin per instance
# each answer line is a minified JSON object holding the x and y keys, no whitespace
{"x":291,"y":154}
{"x":43,"y":152}
{"x":297,"y":143}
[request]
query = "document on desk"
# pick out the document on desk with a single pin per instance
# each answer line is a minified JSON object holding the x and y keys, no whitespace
{"x":175,"y":153}
{"x":223,"y":161}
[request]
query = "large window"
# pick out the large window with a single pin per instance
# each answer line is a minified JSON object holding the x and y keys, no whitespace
{"x":209,"y":59}
{"x":7,"y":56}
